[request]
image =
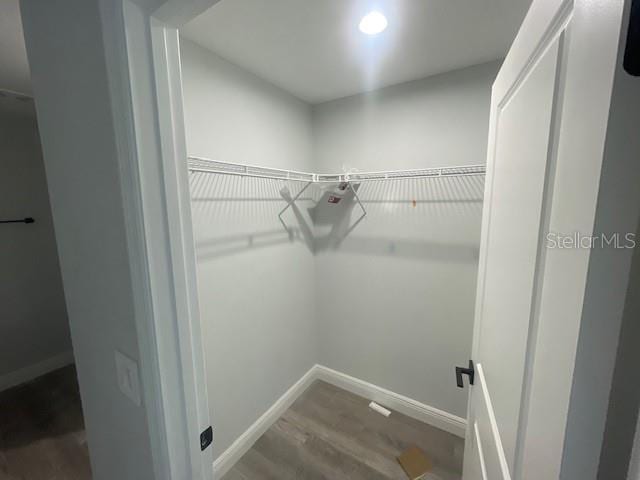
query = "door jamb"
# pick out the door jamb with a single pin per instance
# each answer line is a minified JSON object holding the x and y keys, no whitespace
{"x":142,"y":56}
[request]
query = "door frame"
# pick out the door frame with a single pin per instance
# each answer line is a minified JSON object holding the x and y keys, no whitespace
{"x":143,"y":60}
{"x":142,"y":51}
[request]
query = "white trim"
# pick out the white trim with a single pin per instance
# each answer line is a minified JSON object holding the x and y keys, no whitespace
{"x":127,"y":17}
{"x":36,"y":370}
{"x":179,"y":230}
{"x":244,"y":442}
{"x":496,"y":439}
{"x":481,"y":462}
{"x":394,"y":401}
{"x":159,"y":237}
{"x":407,"y":406}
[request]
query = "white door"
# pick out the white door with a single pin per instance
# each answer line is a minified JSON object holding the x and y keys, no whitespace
{"x":555,"y":81}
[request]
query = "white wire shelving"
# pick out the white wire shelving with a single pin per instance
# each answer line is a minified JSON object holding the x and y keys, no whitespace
{"x":205,"y":165}
{"x":200,"y":164}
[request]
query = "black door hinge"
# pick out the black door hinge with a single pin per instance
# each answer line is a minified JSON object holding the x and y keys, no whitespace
{"x":206,"y":437}
{"x":465,"y":371}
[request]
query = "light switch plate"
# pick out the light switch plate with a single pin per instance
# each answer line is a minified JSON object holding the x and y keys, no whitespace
{"x":128,"y":379}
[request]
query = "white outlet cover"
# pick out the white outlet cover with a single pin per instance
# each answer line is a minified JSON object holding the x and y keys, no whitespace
{"x":128,"y":380}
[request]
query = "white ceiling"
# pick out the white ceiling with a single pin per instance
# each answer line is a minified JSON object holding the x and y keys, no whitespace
{"x":313,"y":48}
{"x":14,"y":67}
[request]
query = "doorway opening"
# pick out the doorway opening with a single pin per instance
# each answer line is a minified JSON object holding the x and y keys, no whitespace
{"x":42,"y":432}
{"x":336,"y":217}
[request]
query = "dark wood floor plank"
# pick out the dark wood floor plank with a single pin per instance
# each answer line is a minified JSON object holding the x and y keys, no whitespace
{"x":403,"y":432}
{"x":382,"y":437}
{"x":327,"y":425}
{"x":234,"y":474}
{"x":337,"y":464}
{"x":346,"y":442}
{"x":329,"y":433}
{"x":255,"y":466}
{"x":42,"y":434}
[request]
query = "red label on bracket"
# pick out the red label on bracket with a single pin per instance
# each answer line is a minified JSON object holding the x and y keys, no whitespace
{"x":334,"y":199}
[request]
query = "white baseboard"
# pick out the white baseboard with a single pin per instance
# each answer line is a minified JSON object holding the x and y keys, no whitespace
{"x":31,"y":372}
{"x":244,"y":442}
{"x":407,"y":406}
{"x":394,"y":401}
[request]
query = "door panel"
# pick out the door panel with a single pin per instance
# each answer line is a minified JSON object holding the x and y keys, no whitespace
{"x":521,"y":146}
{"x":549,"y":112}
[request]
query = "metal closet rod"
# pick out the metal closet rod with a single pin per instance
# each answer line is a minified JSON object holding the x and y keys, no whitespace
{"x":206,"y":165}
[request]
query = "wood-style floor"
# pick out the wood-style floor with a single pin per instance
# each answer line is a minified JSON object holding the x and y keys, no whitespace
{"x":42,"y":430}
{"x":331,"y":434}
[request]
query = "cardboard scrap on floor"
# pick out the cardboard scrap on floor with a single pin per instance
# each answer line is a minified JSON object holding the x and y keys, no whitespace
{"x":414,"y":462}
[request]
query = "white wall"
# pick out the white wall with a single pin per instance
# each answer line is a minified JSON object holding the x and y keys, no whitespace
{"x":395,"y":301}
{"x":394,"y":304}
{"x":77,"y":124}
{"x":256,"y":288}
{"x":34,"y":325}
{"x":440,"y":120}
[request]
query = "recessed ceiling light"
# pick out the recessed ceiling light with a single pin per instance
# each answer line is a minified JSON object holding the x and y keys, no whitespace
{"x":373,"y":23}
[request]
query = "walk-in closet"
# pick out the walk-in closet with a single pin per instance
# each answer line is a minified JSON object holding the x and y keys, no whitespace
{"x":336,"y":157}
{"x":320,"y":239}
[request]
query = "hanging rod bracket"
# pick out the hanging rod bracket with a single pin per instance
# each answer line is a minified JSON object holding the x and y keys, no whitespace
{"x":289,"y":205}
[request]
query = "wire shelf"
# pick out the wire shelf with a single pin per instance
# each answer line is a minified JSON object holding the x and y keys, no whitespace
{"x":200,"y":164}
